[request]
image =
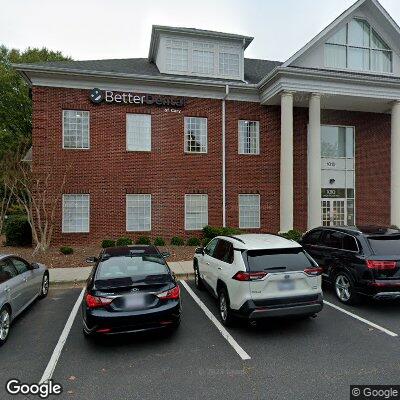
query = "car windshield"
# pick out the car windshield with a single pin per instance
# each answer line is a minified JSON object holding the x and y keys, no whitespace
{"x":131,"y":268}
{"x":293,"y":259}
{"x":385,"y":245}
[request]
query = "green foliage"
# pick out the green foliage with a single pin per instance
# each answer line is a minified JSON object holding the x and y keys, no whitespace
{"x":193,"y":241}
{"x":123,"y":241}
{"x":16,"y":209}
{"x":177,"y":241}
{"x":107,"y":243}
{"x":18,"y":231}
{"x":205,"y":242}
{"x":143,"y":240}
{"x":159,"y":241}
{"x":211,"y":232}
{"x":66,"y":250}
{"x":292,"y":235}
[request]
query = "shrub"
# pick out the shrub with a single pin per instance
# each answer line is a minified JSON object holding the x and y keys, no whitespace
{"x":205,"y":242}
{"x":193,"y":241}
{"x":66,"y":250}
{"x":17,"y":230}
{"x":159,"y":241}
{"x":107,"y":243}
{"x":177,"y":241}
{"x":292,"y":235}
{"x":210,"y":232}
{"x":143,"y":240}
{"x":123,"y":241}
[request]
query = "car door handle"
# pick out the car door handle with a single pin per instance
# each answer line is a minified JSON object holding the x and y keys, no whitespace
{"x":7,"y":289}
{"x":207,"y":263}
{"x":219,"y":268}
{"x":25,"y":279}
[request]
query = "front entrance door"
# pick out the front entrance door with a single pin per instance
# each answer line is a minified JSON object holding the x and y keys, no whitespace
{"x":333,"y":212}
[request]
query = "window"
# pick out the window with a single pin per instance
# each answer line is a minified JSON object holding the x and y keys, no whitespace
{"x":75,"y":129}
{"x":138,"y":132}
{"x":209,"y":249}
{"x":195,"y":135}
{"x":333,"y":240}
{"x":358,"y":47}
{"x":203,"y":58}
{"x":249,"y":211}
{"x":229,"y":64}
{"x":385,"y":244}
{"x":7,"y":271}
{"x":177,"y":55}
{"x":196,"y":211}
{"x":349,"y":243}
{"x":249,"y":137}
{"x":138,"y":212}
{"x":224,"y":251}
{"x":337,"y":141}
{"x":312,"y":238}
{"x":75,"y":213}
{"x":20,"y":266}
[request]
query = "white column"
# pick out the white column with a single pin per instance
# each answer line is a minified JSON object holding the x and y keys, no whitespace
{"x":395,"y":166}
{"x":314,"y":161}
{"x":286,"y":178}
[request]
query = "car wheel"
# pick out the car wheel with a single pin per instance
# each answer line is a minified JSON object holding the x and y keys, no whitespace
{"x":44,"y":291}
{"x":344,"y":288}
{"x":224,"y":307}
{"x":197,"y":279}
{"x":5,"y":318}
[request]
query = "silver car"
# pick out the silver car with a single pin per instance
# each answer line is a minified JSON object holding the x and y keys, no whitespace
{"x":20,"y":284}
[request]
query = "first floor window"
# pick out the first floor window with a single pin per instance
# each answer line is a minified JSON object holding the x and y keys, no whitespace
{"x":249,"y":137}
{"x":75,"y":129}
{"x":138,"y":212}
{"x":249,"y":211}
{"x":196,"y":211}
{"x":195,"y":135}
{"x":75,"y":213}
{"x":138,"y":132}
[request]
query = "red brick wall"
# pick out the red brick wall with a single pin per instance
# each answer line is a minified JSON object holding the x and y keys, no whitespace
{"x":107,"y":171}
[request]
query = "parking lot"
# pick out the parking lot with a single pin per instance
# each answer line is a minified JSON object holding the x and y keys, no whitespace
{"x":288,"y":359}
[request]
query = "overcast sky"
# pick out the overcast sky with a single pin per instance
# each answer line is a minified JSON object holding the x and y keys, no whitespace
{"x":96,"y":29}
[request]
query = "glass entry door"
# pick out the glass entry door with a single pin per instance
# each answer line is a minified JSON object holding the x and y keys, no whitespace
{"x":333,"y":212}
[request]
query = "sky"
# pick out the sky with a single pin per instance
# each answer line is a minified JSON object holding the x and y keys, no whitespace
{"x":98,"y":29}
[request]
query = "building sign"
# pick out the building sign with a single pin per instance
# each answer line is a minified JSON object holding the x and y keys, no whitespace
{"x":333,"y":193}
{"x":97,"y":96}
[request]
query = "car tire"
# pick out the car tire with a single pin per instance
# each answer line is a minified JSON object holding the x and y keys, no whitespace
{"x":197,"y":278}
{"x":224,"y":307}
{"x":44,"y":290}
{"x":344,"y":288}
{"x":5,"y":320}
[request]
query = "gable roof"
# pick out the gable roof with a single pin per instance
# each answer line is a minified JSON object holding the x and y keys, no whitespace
{"x":337,"y":21}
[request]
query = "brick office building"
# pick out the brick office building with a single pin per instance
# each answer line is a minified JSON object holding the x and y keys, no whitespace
{"x":198,"y":134}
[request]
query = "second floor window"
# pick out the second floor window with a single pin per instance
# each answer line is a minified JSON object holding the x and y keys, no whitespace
{"x":195,"y":135}
{"x":249,"y":137}
{"x":75,"y":129}
{"x":229,"y":64}
{"x":138,"y":132}
{"x":177,"y":55}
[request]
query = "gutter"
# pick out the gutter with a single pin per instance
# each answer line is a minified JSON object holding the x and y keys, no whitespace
{"x":224,"y":156}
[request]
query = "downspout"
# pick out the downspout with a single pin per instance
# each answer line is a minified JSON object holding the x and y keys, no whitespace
{"x":224,"y":157}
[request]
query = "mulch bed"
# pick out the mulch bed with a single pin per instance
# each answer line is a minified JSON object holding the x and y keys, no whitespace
{"x":54,"y":259}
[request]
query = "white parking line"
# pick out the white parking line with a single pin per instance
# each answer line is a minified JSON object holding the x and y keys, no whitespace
{"x":243,"y":355}
{"x":48,"y":373}
{"x":381,"y":328}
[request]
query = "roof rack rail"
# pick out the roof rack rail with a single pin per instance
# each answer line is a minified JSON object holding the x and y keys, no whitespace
{"x":233,"y":237}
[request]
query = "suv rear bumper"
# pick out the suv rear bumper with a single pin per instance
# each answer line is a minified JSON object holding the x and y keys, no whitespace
{"x":387,"y":296}
{"x":250,"y":311}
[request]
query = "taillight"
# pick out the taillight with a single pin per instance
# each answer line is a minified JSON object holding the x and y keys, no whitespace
{"x":172,"y":294}
{"x":313,"y":271}
{"x":96,"y":301}
{"x":381,"y":265}
{"x":249,"y":276}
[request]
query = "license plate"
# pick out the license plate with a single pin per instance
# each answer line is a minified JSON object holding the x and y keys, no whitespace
{"x":286,"y":285}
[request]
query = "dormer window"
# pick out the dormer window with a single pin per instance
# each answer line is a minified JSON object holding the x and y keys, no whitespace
{"x":358,"y":47}
{"x":203,"y":58}
{"x":177,"y":55}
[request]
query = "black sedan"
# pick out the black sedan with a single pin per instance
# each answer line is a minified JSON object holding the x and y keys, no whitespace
{"x":130,"y":289}
{"x":358,"y":261}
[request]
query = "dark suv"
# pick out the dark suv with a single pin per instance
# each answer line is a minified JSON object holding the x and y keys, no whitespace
{"x":357,"y":260}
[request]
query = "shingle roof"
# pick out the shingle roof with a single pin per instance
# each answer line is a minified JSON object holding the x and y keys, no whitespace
{"x":254,"y":69}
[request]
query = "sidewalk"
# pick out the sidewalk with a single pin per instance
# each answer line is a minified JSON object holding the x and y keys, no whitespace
{"x":182,"y":270}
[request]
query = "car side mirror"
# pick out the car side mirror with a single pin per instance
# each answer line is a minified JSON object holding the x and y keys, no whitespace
{"x":199,"y":250}
{"x":91,"y":260}
{"x":165,"y":254}
{"x":35,"y":265}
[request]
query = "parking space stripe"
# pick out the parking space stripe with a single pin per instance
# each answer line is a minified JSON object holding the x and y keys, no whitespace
{"x":48,"y":373}
{"x":381,"y":328}
{"x":239,"y":350}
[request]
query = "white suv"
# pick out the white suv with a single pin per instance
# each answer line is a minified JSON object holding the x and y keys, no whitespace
{"x":258,"y":276}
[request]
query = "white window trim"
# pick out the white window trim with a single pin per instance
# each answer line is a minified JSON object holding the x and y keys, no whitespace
{"x":195,"y":194}
{"x":126,"y":133}
{"x":75,"y":148}
{"x":126,"y":211}
{"x":257,"y":153}
{"x":62,"y":216}
{"x":259,"y":209}
{"x":184,"y":136}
